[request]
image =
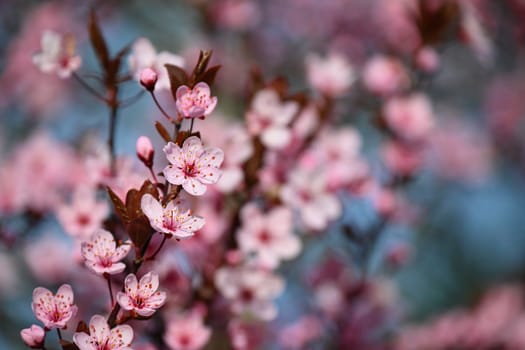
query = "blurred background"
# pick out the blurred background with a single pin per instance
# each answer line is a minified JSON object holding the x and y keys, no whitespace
{"x":461,"y":233}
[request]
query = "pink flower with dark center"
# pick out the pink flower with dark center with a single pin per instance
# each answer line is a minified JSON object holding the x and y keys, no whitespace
{"x":84,"y":215}
{"x":101,"y":337}
{"x":270,"y":236}
{"x":196,"y":102}
{"x":171,"y":220}
{"x":410,"y":117}
{"x":141,"y":297}
{"x":102,"y":255}
{"x":33,"y":337}
{"x":57,"y":55}
{"x":193,"y":166}
{"x":54,"y":310}
{"x":384,"y":75}
{"x":187,"y":332}
{"x":250,"y":290}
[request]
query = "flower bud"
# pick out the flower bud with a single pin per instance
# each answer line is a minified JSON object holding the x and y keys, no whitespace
{"x":148,"y":78}
{"x":145,"y":151}
{"x":33,"y":337}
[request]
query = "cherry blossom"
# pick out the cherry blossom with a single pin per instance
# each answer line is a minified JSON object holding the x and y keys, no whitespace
{"x":141,"y":297}
{"x":384,"y":75}
{"x":298,"y":334}
{"x":57,"y":55}
{"x":101,"y":337}
{"x":270,"y":236}
{"x":193,"y":166}
{"x":54,"y":310}
{"x":307,"y":192}
{"x":269,"y":118}
{"x":148,"y":79}
{"x":196,"y":102}
{"x":250,"y":290}
{"x":143,"y":55}
{"x":332,"y":75}
{"x":102,"y":255}
{"x":187,"y":332}
{"x":173,"y":219}
{"x":410,"y":117}
{"x":84,"y":215}
{"x":33,"y":336}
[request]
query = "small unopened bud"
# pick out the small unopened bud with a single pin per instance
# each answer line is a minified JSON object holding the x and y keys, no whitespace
{"x":427,"y":59}
{"x":145,"y":151}
{"x":33,"y":336}
{"x":148,"y":78}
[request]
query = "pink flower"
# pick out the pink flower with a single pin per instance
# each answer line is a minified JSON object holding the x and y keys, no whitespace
{"x":269,"y":118}
{"x":196,"y":102}
{"x":427,"y":59}
{"x":172,"y":219}
{"x":410,"y":117}
{"x":143,"y":55}
{"x":84,"y":215}
{"x":193,"y":166}
{"x":270,"y":236}
{"x":57,"y":55}
{"x":101,"y":337}
{"x":54,"y":310}
{"x":385,"y":75}
{"x":250,"y":290}
{"x":298,"y":334}
{"x":187,"y":332}
{"x":142,"y":297}
{"x":49,"y":258}
{"x":145,"y":150}
{"x":402,"y":159}
{"x":33,"y":337}
{"x":307,"y":192}
{"x":102,"y":255}
{"x":332,"y":75}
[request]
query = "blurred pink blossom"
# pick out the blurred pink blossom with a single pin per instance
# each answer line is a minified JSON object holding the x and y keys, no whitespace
{"x":57,"y":54}
{"x":143,"y":55}
{"x":269,"y":117}
{"x":50,"y":259}
{"x":332,"y":75}
{"x":187,"y":332}
{"x":385,"y":75}
{"x":268,"y":235}
{"x":298,"y":334}
{"x":410,"y":117}
{"x":250,"y":290}
{"x":84,"y":215}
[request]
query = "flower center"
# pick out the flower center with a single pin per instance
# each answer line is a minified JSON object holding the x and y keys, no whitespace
{"x":264,"y":237}
{"x":189,"y":170}
{"x":247,"y":295}
{"x":83,"y":219}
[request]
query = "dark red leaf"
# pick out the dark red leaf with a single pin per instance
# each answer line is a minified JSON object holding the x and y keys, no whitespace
{"x":120,"y":207}
{"x":209,"y":75}
{"x":162,"y":131}
{"x":178,"y":77}
{"x":97,"y":41}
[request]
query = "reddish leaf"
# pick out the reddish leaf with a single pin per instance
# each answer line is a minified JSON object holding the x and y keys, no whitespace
{"x":120,"y":207}
{"x":82,"y":327}
{"x":202,"y":63}
{"x":134,"y":197}
{"x":178,"y":77}
{"x":97,"y":41}
{"x":209,"y":75}
{"x":139,"y":231}
{"x":162,"y":131}
{"x":66,"y":345}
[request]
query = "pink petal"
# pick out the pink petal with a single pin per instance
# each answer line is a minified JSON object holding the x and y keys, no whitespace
{"x":212,"y":157}
{"x":115,"y":268}
{"x":151,"y":207}
{"x":125,"y":301}
{"x":193,"y":224}
{"x":192,"y":148}
{"x":174,"y":175}
{"x":276,"y":137}
{"x":120,"y":336}
{"x":174,"y":154}
{"x":131,"y":285}
{"x":211,"y":105}
{"x":209,"y":175}
{"x":194,"y":187}
{"x":181,"y":91}
{"x":121,"y":251}
{"x":83,"y":341}
{"x":99,"y":329}
{"x":156,"y":300}
{"x":148,"y":284}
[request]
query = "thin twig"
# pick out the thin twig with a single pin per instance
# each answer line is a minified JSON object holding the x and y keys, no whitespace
{"x":164,"y":239}
{"x":131,"y":100}
{"x":89,"y":88}
{"x":108,"y":279}
{"x":170,"y":119}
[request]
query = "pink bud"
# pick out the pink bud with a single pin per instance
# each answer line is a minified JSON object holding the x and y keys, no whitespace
{"x":427,"y":59}
{"x":145,"y":150}
{"x":148,"y":78}
{"x":33,"y":337}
